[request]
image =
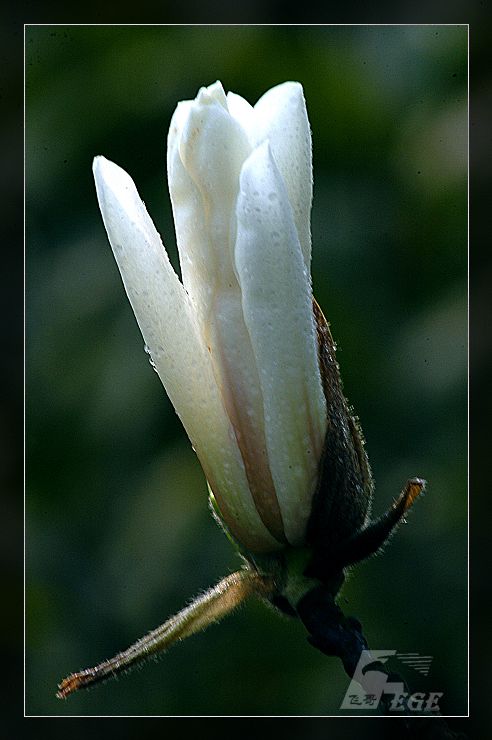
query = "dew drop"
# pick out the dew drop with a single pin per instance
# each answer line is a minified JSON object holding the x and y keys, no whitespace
{"x":147,"y":350}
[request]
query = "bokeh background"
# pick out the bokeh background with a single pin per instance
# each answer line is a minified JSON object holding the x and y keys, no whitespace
{"x":118,"y":533}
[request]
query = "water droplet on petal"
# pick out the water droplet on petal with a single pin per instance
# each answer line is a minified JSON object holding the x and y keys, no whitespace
{"x":147,"y":350}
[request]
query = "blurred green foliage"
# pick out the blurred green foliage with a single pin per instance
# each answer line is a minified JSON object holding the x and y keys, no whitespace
{"x":118,"y":531}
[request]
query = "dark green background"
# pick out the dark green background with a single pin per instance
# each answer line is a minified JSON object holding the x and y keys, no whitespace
{"x":118,"y":531}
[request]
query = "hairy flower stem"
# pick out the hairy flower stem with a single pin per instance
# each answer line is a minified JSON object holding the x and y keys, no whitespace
{"x":210,"y":607}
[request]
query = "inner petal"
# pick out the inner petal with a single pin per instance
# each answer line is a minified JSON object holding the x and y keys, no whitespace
{"x":239,"y":383}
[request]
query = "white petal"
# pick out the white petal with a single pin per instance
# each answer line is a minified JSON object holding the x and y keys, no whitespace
{"x":215,"y":91}
{"x":206,"y":149}
{"x":196,"y":251}
{"x":165,"y":317}
{"x":213,"y":147}
{"x":243,"y":112}
{"x":277,"y":305}
{"x":281,"y":117}
{"x":237,"y":375}
{"x":201,"y":198}
{"x":204,"y":167}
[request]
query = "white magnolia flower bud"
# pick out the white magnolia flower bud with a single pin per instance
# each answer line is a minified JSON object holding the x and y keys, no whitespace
{"x":235,"y":342}
{"x":247,"y":359}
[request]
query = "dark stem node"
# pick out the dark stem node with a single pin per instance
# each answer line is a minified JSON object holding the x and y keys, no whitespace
{"x":337,"y":635}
